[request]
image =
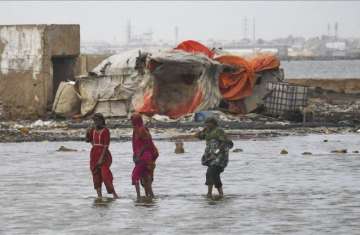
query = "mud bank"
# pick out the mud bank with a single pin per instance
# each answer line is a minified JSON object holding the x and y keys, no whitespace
{"x":263,"y":127}
{"x":345,"y":86}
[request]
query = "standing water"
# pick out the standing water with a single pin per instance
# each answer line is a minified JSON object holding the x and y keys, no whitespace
{"x":331,"y":69}
{"x":49,"y":192}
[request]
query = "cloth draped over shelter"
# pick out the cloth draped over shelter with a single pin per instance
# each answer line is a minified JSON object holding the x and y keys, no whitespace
{"x":182,"y":83}
{"x":195,"y":47}
{"x":174,"y":82}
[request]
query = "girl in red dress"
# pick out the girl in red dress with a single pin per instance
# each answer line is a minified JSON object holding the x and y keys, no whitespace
{"x":100,"y":156}
{"x":144,"y":155}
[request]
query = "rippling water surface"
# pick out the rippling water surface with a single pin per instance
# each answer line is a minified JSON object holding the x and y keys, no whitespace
{"x":47,"y":192}
{"x":321,"y":69}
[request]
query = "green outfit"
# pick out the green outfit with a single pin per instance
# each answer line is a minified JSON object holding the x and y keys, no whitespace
{"x":217,"y":147}
{"x":216,"y":155}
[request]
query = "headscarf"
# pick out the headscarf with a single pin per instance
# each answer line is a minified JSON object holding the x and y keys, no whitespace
{"x":212,"y":120}
{"x":137,"y":121}
{"x":141,"y":135}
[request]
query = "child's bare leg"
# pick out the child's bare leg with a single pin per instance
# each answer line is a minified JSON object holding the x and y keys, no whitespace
{"x":137,"y":188}
{"x":143,"y":180}
{"x":115,"y":196}
{"x":98,"y":191}
{"x":210,"y":188}
{"x":220,"y":190}
{"x":148,"y":187}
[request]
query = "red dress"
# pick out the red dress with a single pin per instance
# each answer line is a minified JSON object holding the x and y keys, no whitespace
{"x":142,"y":140}
{"x":100,"y":139}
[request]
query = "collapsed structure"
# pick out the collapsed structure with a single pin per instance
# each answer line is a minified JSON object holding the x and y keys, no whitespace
{"x":174,"y":82}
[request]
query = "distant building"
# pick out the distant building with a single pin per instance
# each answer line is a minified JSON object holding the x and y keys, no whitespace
{"x":340,"y":46}
{"x":336,"y":49}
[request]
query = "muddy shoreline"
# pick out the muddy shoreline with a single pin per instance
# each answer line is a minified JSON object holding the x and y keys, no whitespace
{"x":26,"y":131}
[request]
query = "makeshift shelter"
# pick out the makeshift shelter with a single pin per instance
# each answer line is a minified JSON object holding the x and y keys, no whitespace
{"x":175,"y":82}
{"x":171,"y":83}
{"x":244,"y":87}
{"x":242,"y":82}
{"x":182,"y":83}
{"x":111,"y":84}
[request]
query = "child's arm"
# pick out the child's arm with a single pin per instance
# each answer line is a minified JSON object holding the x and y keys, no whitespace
{"x":201,"y":134}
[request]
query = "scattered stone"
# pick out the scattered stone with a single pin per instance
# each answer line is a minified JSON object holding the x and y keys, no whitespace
{"x":356,"y":151}
{"x":339,"y":151}
{"x":326,"y":141}
{"x":237,"y":150}
{"x":65,"y":149}
{"x":284,"y":151}
{"x":306,"y":153}
{"x":179,"y":147}
{"x":24,"y":130}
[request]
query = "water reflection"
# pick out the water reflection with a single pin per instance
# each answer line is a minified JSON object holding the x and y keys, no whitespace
{"x":146,"y":202}
{"x":103,"y":202}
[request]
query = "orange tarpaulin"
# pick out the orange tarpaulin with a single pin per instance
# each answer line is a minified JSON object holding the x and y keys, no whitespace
{"x":234,"y":84}
{"x":239,"y":84}
{"x":195,"y":47}
{"x":264,"y":62}
{"x":150,"y":107}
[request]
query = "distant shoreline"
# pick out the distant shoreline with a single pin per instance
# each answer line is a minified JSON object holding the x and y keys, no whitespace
{"x":316,"y":58}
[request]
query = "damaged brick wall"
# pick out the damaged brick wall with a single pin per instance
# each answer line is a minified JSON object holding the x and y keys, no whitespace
{"x":26,"y":68}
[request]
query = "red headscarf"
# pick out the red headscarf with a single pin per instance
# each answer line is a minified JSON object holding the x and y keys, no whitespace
{"x":142,"y":136}
{"x":136,"y":120}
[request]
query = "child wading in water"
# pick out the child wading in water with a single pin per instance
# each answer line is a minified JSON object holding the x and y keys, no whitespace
{"x":216,"y":154}
{"x":100,"y":156}
{"x":144,"y":156}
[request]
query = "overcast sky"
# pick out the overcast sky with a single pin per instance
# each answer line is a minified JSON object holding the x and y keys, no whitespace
{"x":196,"y":20}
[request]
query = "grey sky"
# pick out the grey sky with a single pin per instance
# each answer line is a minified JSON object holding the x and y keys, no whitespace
{"x":196,"y":20}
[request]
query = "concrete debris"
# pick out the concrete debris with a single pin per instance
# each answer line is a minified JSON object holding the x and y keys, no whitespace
{"x":284,"y":152}
{"x":24,"y":130}
{"x":179,"y":147}
{"x":237,"y":150}
{"x":306,"y":153}
{"x":65,"y":149}
{"x":162,"y":118}
{"x":339,"y":151}
{"x":40,"y":124}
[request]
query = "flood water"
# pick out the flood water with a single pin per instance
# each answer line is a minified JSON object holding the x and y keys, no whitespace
{"x":47,"y":192}
{"x":339,"y":69}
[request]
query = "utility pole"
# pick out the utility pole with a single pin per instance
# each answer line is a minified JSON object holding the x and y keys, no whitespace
{"x":128,"y":32}
{"x":254,"y":38}
{"x":336,"y":30}
{"x":245,"y":27}
{"x":176,"y":35}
